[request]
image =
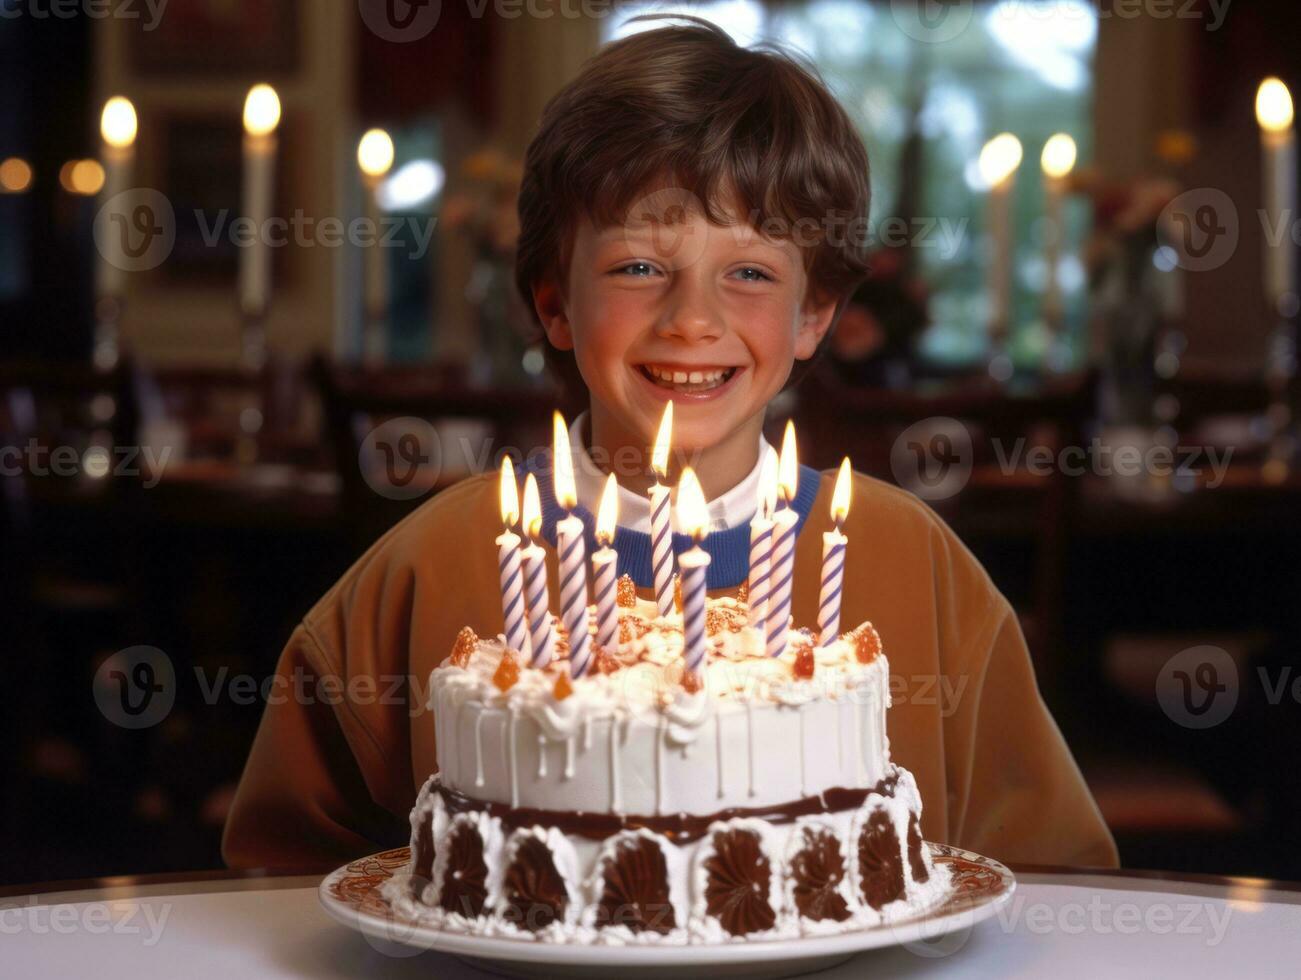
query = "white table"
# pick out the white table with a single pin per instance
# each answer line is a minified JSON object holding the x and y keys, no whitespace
{"x":1060,"y":925}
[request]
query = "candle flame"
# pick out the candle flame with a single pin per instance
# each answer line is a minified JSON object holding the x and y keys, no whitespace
{"x":509,"y":493}
{"x":532,"y":508}
{"x":788,"y":466}
{"x":840,"y":496}
{"x":563,"y":464}
{"x":663,"y":440}
{"x":768,"y":483}
{"x":1274,"y":109}
{"x":375,"y":154}
{"x":608,"y":513}
{"x":261,"y":111}
{"x":999,"y":159}
{"x":693,"y":512}
{"x":118,"y":124}
{"x":1059,"y":156}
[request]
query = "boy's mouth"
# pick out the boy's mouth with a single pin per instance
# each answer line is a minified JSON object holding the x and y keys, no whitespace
{"x":687,"y":381}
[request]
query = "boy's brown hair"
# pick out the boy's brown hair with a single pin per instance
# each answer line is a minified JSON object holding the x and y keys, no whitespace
{"x":684,"y":106}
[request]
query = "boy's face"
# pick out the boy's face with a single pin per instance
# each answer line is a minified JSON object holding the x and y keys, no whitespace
{"x":720,"y":309}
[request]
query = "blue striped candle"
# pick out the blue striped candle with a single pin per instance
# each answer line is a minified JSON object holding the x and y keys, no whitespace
{"x":604,"y":567}
{"x":693,"y":516}
{"x":535,"y":578}
{"x":661,"y":519}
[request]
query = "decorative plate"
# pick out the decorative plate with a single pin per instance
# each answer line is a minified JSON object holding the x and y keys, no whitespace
{"x":351,"y":895}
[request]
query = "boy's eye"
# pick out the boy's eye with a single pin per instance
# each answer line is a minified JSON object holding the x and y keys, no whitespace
{"x":637,"y":269}
{"x":751,"y":274}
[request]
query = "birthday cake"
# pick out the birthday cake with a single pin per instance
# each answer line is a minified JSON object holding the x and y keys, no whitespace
{"x":640,"y":801}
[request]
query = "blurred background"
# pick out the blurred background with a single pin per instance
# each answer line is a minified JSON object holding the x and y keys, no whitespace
{"x":1077,"y":343}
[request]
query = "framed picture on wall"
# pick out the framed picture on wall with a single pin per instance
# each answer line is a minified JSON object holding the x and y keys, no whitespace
{"x":256,"y":38}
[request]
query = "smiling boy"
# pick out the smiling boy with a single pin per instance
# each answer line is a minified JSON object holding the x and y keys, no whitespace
{"x":642,"y":192}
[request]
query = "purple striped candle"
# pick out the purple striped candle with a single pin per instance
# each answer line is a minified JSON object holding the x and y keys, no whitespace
{"x":761,"y":528}
{"x":785,"y":523}
{"x":604,"y":565}
{"x":693,"y":516}
{"x":535,"y":578}
{"x":833,"y":561}
{"x":661,"y":518}
{"x":572,"y":549}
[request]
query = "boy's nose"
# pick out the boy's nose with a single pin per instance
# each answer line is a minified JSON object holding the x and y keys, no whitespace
{"x":691,"y":317}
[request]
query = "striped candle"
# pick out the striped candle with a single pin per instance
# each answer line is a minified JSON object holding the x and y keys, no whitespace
{"x":508,"y":564}
{"x":512,"y":591}
{"x":693,"y":516}
{"x":571,"y":546}
{"x":783,"y":572}
{"x":535,"y":578}
{"x":604,"y":564}
{"x":785,"y":523}
{"x":833,"y":562}
{"x":761,"y":528}
{"x":574,"y":614}
{"x":661,"y":519}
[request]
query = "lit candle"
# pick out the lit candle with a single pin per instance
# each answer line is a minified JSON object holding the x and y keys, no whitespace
{"x":693,"y":516}
{"x":508,"y":564}
{"x":1058,"y":160}
{"x":1276,"y":114}
{"x":783,"y":548}
{"x":661,"y":518}
{"x":375,"y":158}
{"x":571,"y":547}
{"x":118,"y":127}
{"x":261,"y":118}
{"x":761,"y":543}
{"x":833,"y":561}
{"x":999,"y":161}
{"x":535,"y":577}
{"x":604,"y":564}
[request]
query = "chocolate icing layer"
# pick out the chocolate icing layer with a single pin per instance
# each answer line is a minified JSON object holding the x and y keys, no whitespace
{"x":677,"y":827}
{"x":915,"y":861}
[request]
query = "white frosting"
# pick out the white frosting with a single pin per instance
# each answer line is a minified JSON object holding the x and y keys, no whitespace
{"x":627,"y":742}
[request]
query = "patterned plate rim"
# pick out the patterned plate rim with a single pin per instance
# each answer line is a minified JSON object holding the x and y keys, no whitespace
{"x":351,"y":896}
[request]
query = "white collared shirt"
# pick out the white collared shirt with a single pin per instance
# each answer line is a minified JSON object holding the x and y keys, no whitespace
{"x":736,"y":506}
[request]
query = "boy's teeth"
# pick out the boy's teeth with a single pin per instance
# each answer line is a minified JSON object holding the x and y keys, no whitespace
{"x":692,"y":380}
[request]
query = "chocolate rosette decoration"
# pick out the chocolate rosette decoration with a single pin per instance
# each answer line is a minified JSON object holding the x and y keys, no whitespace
{"x":422,"y":855}
{"x":880,"y":863}
{"x":465,"y":878}
{"x":535,"y":892}
{"x":915,"y":845}
{"x":817,"y":871}
{"x":635,"y":891}
{"x":736,"y":889}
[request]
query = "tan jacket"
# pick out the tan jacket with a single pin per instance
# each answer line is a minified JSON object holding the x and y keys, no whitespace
{"x":346,"y":741}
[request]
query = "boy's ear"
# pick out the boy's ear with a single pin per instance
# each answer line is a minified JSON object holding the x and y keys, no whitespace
{"x":815,"y":320}
{"x":549,"y":302}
